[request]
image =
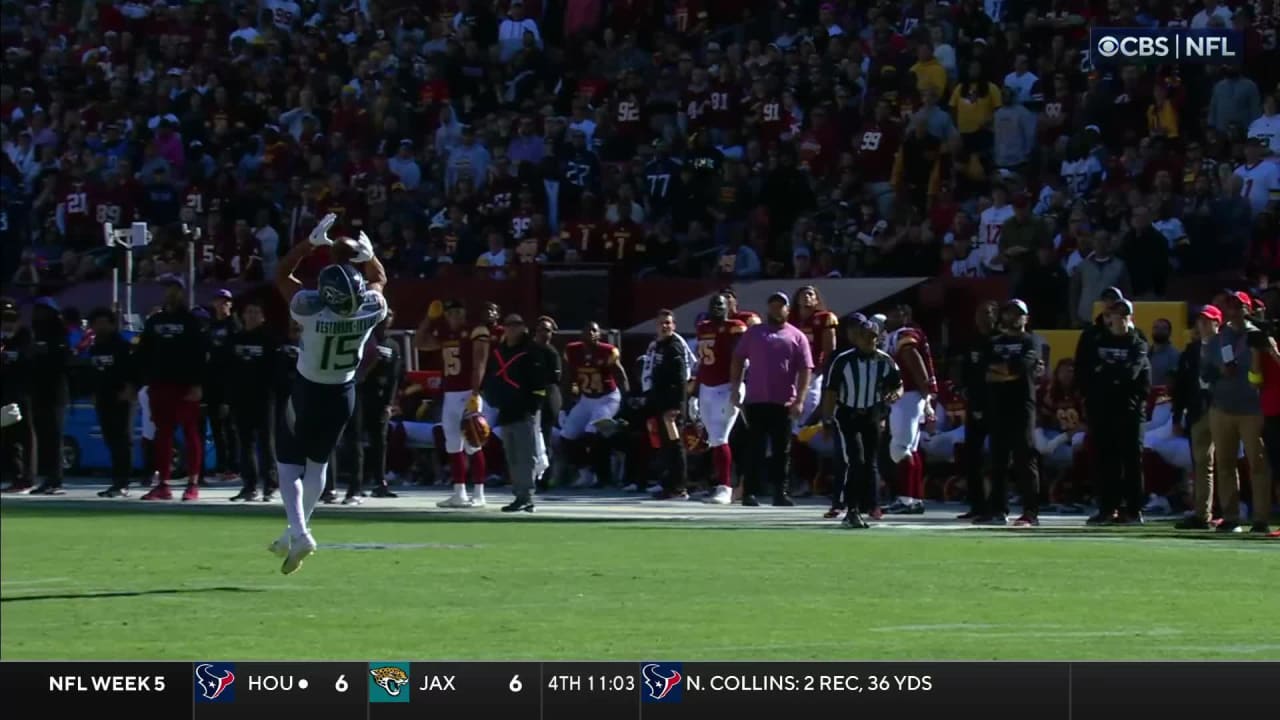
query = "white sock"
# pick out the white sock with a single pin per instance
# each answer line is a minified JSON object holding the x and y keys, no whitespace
{"x":477,"y":493}
{"x":291,"y":493}
{"x":312,"y":488}
{"x":460,"y":490}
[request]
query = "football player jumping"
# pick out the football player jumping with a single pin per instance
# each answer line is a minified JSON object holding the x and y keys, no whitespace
{"x":336,"y":320}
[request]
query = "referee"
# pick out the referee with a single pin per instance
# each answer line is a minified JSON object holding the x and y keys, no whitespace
{"x":668,"y":366}
{"x":860,"y":383}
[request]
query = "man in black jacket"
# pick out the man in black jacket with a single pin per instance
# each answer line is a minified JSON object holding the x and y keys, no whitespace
{"x":1010,"y":361}
{"x":250,"y":392}
{"x":50,"y":392}
{"x":18,"y":448}
{"x":1086,"y":352}
{"x":376,"y":389}
{"x":516,"y":382}
{"x":1115,"y":402}
{"x":668,"y":365}
{"x":114,"y":395}
{"x":221,"y":378}
{"x":975,"y":423}
{"x":1191,"y":419}
{"x":172,"y":358}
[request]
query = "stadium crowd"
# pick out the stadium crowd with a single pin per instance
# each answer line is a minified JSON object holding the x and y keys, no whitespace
{"x":736,"y":138}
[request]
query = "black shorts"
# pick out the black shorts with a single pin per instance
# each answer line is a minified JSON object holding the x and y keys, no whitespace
{"x":312,"y":423}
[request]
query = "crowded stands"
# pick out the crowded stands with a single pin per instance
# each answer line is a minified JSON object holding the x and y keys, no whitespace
{"x":740,"y":139}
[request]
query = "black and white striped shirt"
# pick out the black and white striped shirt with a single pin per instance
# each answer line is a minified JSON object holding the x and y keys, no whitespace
{"x":859,"y":380}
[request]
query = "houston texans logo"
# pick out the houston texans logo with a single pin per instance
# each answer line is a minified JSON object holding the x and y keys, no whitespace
{"x":211,"y":684}
{"x":658,"y":684}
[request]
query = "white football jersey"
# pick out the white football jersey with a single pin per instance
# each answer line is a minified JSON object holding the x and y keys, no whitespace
{"x":1078,"y":174}
{"x":1261,"y":184}
{"x":284,"y":13}
{"x":332,"y":345}
{"x":990,"y":225}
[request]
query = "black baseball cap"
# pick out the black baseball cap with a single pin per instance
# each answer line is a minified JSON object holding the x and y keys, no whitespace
{"x":860,"y":321}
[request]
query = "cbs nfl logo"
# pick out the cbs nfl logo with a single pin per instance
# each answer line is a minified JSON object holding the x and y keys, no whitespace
{"x":1165,"y":46}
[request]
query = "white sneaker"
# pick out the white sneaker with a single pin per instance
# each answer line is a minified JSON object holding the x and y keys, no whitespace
{"x":586,"y":480}
{"x":654,"y":488}
{"x":302,"y":547}
{"x":280,"y":546}
{"x":476,"y":502}
{"x":630,"y":487}
{"x":722,"y":495}
{"x":455,"y":501}
{"x":353,"y":500}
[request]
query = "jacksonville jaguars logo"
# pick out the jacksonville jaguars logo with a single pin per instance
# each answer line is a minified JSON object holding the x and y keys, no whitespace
{"x":390,"y":678}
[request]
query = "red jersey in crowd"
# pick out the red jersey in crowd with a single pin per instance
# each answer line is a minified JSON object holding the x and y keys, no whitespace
{"x":78,"y":199}
{"x":696,"y":106}
{"x":770,"y":116}
{"x":195,"y":200}
{"x":457,"y":354}
{"x":585,"y":238}
{"x":716,"y":341}
{"x":117,"y":204}
{"x":591,"y":367}
{"x":624,"y":242}
{"x":746,"y":317}
{"x":817,"y":325}
{"x":687,"y":14}
{"x":722,"y":106}
{"x":628,"y":114}
{"x":877,"y":146}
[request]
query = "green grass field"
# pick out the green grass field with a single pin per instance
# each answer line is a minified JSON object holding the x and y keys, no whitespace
{"x":131,"y":585}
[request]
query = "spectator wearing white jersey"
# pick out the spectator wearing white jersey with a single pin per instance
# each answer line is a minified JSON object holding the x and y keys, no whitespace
{"x":1260,"y":180}
{"x":512,"y":29}
{"x":990,"y":224}
{"x":1212,"y":9}
{"x":1021,"y":81}
{"x":1267,"y":126}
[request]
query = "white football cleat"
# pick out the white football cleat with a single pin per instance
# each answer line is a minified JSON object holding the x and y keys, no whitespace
{"x":722,"y":495}
{"x":302,"y":547}
{"x":455,"y":501}
{"x":476,"y":502}
{"x":280,"y":546}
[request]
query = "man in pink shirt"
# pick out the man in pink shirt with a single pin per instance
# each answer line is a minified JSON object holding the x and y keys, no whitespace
{"x":781,"y":366}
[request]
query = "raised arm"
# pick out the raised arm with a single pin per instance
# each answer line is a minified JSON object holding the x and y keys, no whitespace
{"x":288,"y":285}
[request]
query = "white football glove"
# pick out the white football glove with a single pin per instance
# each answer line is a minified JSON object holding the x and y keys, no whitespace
{"x":10,"y":415}
{"x":320,"y":234}
{"x":364,"y":249}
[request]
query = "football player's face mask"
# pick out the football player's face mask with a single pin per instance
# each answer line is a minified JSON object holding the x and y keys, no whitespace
{"x":719,"y":308}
